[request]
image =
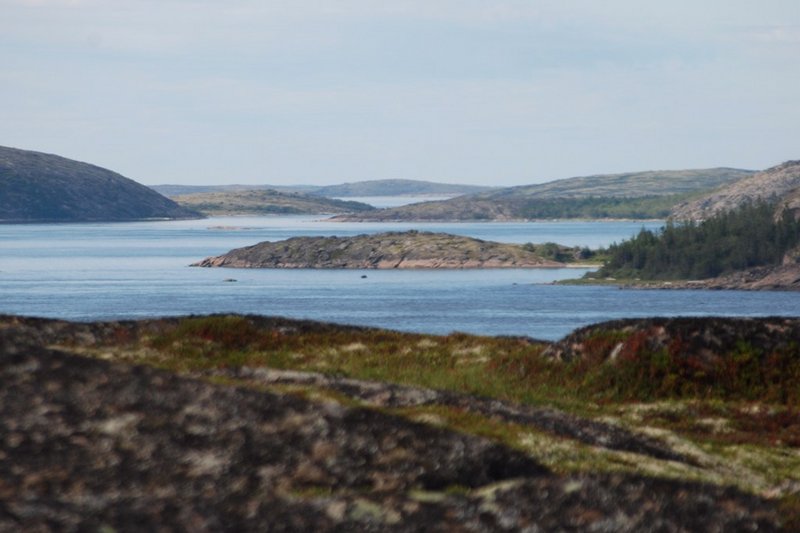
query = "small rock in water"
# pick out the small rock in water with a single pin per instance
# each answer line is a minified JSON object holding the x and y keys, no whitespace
{"x":363,"y":276}
{"x":229,"y":280}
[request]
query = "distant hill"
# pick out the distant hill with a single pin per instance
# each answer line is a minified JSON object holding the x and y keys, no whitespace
{"x":649,"y":194}
{"x":389,"y":187}
{"x":772,"y":184}
{"x":38,"y":187}
{"x":261,"y":202}
{"x":397,"y":188}
{"x":172,"y":191}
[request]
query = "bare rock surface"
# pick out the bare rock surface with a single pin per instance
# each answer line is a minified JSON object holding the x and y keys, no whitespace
{"x":410,"y":249}
{"x":768,"y":278}
{"x":771,"y":184}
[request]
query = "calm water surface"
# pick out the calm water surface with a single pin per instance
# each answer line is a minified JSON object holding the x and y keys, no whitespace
{"x":134,"y":270}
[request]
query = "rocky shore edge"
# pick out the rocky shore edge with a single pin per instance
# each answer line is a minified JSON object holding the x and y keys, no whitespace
{"x":768,"y":278}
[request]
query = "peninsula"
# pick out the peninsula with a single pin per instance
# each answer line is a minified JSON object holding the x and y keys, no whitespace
{"x":410,"y":249}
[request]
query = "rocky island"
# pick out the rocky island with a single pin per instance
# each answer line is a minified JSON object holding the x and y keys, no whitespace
{"x":247,"y":423}
{"x":410,"y":249}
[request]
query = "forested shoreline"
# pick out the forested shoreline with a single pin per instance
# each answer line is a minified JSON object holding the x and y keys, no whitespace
{"x":747,"y":237}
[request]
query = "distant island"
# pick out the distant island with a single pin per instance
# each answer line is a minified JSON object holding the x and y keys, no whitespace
{"x":383,"y":187}
{"x":633,"y":195}
{"x":267,"y":202}
{"x":410,"y":249}
{"x":39,"y":187}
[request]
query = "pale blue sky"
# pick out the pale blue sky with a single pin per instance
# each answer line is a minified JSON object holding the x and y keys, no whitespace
{"x":500,"y":92}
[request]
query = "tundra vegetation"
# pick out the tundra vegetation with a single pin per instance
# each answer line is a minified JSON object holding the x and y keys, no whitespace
{"x":721,"y":393}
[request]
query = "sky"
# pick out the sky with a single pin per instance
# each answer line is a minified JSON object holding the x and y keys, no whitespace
{"x":486,"y":92}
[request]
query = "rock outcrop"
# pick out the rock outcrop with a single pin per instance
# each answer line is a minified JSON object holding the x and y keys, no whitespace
{"x":770,"y":185}
{"x":37,"y":187}
{"x":88,"y":444}
{"x":790,"y":205}
{"x":784,"y":277}
{"x":709,"y":339}
{"x":411,"y":249}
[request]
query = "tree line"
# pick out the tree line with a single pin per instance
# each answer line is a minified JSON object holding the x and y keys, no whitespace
{"x":641,"y":207}
{"x":747,"y":237}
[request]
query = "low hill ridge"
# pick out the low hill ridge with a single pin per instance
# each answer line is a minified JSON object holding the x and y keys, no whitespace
{"x":628,"y":184}
{"x":267,"y":202}
{"x":648,"y":194}
{"x":383,"y":187}
{"x":39,"y":187}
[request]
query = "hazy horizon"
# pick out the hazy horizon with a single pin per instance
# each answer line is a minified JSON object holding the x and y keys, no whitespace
{"x":504,"y":93}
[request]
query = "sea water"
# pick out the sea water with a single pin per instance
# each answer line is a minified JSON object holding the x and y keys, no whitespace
{"x":135,"y":270}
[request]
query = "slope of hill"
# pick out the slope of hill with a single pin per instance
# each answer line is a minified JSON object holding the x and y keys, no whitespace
{"x":628,"y":184}
{"x":261,"y":202}
{"x":38,"y":187}
{"x":648,"y":194}
{"x":790,"y":204}
{"x":360,"y":188}
{"x":771,"y":185}
{"x":410,"y":249}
